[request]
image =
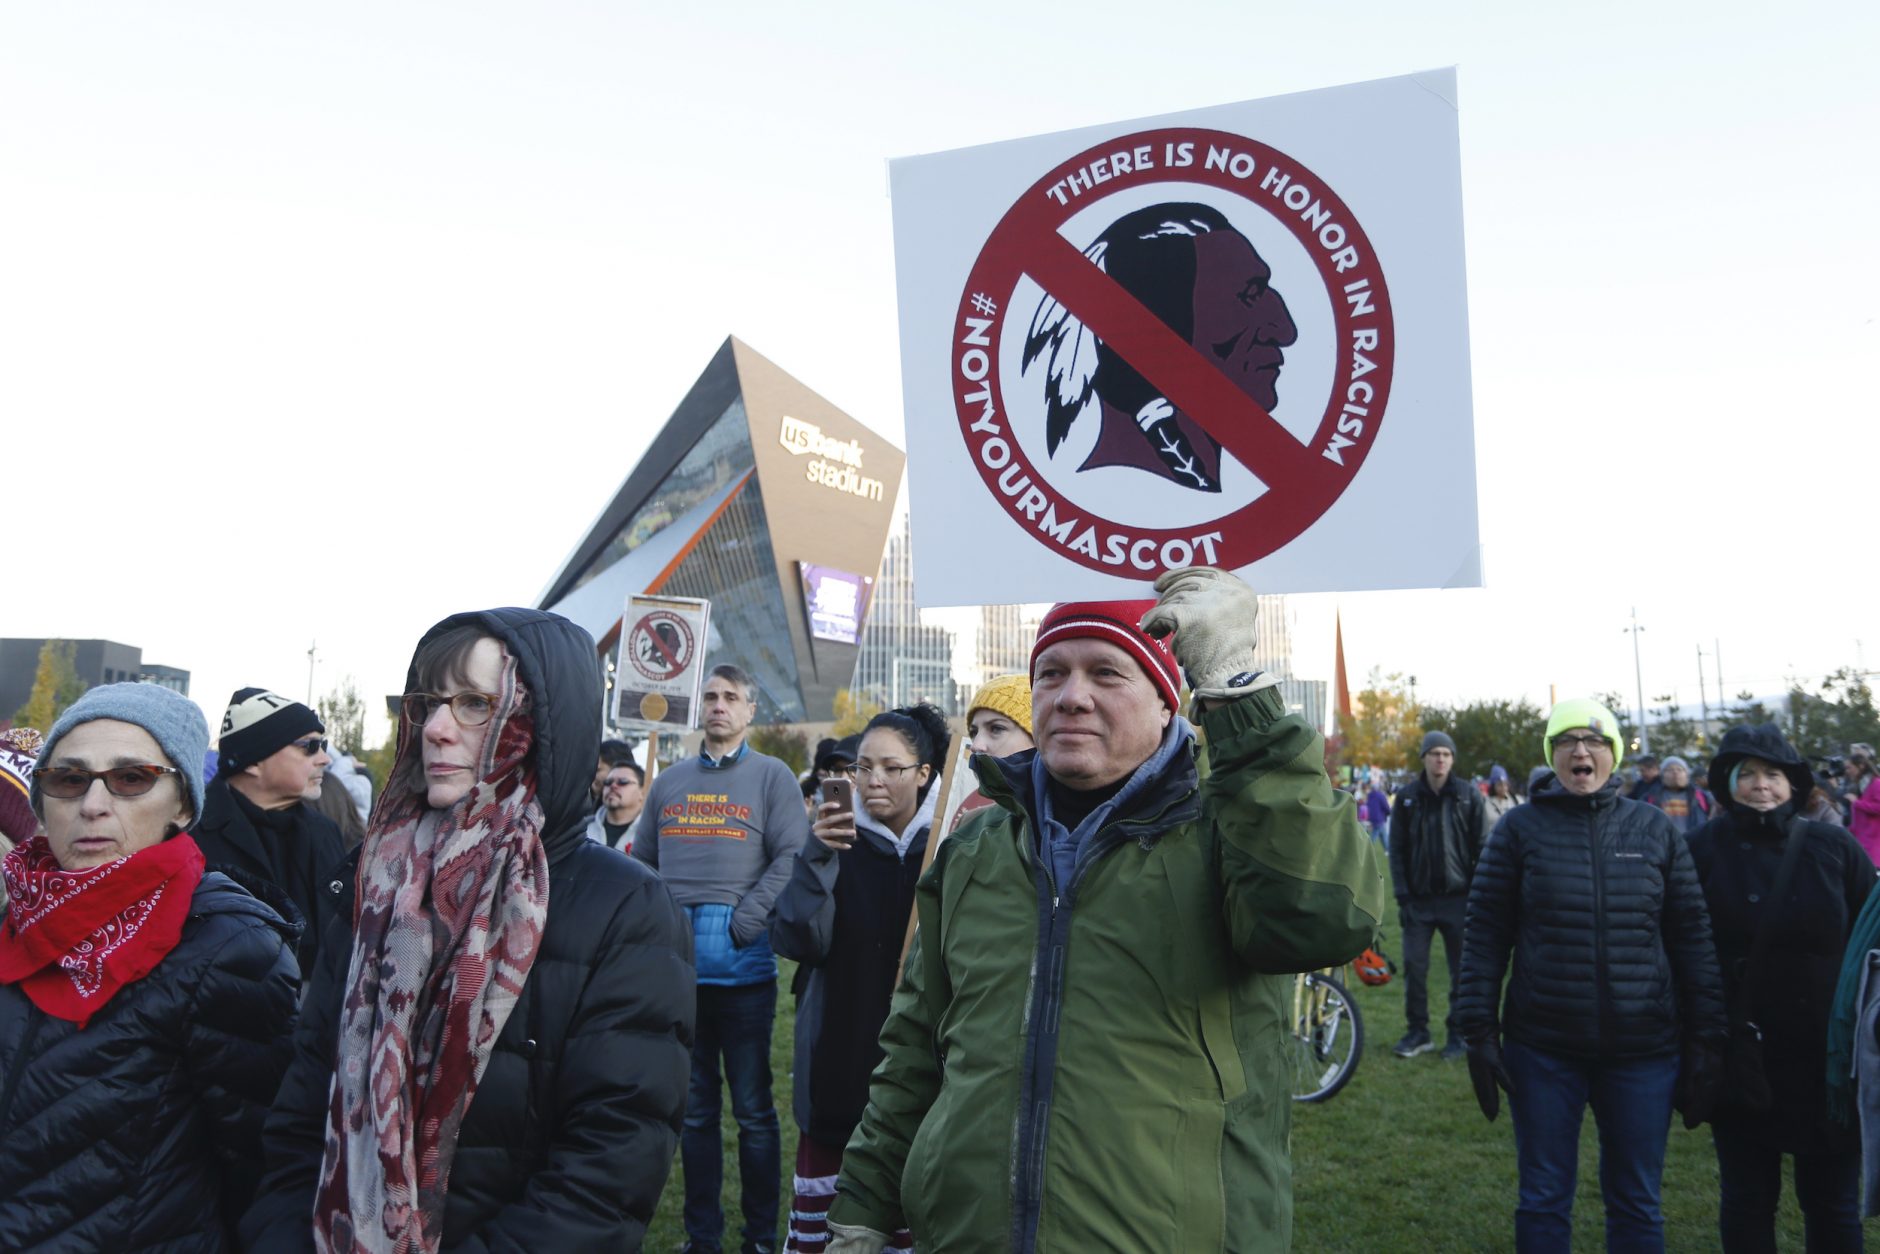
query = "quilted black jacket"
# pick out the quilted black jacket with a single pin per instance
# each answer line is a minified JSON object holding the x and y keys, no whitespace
{"x":143,"y":1131}
{"x":570,"y":1136}
{"x":1598,"y":903}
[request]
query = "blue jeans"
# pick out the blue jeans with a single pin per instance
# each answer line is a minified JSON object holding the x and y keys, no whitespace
{"x":1826,"y":1185}
{"x":1631,"y":1101}
{"x":735,"y":1022}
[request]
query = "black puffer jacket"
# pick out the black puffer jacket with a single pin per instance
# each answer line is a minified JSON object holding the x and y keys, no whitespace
{"x":143,"y":1131}
{"x":1597,"y":901}
{"x":569,"y":1139}
{"x":1738,"y":856}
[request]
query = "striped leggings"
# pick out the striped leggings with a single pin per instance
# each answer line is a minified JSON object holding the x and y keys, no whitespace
{"x":814,"y":1186}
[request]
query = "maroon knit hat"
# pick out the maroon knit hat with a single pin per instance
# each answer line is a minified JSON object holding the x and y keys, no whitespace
{"x":19,"y":750}
{"x":1114,"y":622}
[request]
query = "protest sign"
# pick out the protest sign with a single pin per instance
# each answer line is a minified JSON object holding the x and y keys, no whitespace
{"x":661,"y":669}
{"x":1234,"y":337}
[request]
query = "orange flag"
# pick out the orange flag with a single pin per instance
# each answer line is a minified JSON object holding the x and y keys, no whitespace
{"x":1341,"y":686}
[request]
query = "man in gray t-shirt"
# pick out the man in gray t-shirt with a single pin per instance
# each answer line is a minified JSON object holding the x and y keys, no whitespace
{"x":723,"y":829}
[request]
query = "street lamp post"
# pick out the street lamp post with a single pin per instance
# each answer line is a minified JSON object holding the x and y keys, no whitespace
{"x":1638,"y":676}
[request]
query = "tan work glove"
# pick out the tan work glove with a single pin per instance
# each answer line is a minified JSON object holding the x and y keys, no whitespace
{"x":1212,"y":614}
{"x":854,"y":1239}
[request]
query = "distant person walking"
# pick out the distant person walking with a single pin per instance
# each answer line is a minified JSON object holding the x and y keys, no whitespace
{"x":1438,"y":823}
{"x":1684,"y":803}
{"x":1863,"y":800}
{"x":1501,"y":798}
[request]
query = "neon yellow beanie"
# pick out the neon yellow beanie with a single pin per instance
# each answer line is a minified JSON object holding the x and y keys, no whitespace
{"x":1583,"y":712}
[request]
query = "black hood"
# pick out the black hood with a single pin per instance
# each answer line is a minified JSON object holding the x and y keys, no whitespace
{"x":1761,"y":740}
{"x":559,"y":664}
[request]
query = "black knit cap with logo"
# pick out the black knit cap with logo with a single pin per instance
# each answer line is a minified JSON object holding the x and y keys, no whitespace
{"x":259,"y":724}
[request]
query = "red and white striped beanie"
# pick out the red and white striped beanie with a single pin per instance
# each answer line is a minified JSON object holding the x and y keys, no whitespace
{"x":1114,"y":622}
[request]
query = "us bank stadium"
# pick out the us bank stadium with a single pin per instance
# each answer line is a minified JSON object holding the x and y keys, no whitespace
{"x":765,"y":499}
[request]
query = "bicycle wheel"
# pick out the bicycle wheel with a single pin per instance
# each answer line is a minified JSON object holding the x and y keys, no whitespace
{"x":1327,"y":1038}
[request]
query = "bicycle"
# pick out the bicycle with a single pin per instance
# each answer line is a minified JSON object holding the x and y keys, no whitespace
{"x":1327,"y":1036}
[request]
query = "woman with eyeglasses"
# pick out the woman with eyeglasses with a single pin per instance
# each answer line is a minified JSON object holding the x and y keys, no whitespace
{"x":1614,"y":1000}
{"x":146,"y":1007}
{"x":495,"y":1043}
{"x":844,"y":916}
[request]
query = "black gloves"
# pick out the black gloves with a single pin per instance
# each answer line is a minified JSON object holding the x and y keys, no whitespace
{"x":1486,"y":1072}
{"x":1700,"y":1082}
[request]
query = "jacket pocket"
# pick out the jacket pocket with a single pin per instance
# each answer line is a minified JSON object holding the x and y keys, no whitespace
{"x":719,"y":959}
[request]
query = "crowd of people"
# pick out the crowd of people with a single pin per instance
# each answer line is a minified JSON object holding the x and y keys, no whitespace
{"x":1637,"y":944}
{"x":1038,"y":1010}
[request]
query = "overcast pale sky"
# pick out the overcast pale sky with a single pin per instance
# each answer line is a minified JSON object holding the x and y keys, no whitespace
{"x":319,"y":323}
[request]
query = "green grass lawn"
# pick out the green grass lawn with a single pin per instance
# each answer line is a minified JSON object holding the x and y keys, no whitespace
{"x":1401,"y":1160}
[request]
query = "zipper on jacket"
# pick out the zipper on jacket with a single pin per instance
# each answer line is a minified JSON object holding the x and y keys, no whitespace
{"x":34,"y":1017}
{"x":1029,"y":1128}
{"x":1602,"y":976}
{"x":1046,"y":1000}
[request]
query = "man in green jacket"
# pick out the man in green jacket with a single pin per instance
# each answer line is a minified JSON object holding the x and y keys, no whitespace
{"x":1085,"y":1052}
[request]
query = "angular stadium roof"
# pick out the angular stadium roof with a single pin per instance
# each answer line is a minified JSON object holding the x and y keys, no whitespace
{"x":752,"y":475}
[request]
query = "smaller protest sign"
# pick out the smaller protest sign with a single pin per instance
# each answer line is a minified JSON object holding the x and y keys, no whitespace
{"x":660,"y":668}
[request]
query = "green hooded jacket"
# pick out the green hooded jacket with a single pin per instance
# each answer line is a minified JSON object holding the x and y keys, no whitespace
{"x":1101,"y":1066}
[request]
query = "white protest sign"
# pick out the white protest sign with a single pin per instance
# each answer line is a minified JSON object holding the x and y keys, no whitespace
{"x":661,"y":669}
{"x":1235,"y":337}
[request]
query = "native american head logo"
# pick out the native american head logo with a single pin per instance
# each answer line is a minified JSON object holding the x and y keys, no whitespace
{"x":1189,"y":267}
{"x":660,"y":649}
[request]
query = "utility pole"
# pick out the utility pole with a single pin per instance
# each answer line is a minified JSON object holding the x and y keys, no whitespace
{"x":1638,"y":675}
{"x":311,"y":646}
{"x":1703,"y":693}
{"x":1723,"y":698}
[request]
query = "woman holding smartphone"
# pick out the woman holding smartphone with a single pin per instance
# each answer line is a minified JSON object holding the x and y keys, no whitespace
{"x":844,"y":915}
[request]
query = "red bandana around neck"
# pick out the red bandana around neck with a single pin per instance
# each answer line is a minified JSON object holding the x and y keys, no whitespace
{"x":72,"y":939}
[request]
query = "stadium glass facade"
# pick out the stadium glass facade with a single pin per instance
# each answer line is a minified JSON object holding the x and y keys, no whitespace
{"x":753,"y":477}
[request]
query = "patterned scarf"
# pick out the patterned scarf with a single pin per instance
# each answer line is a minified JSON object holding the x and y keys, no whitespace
{"x":72,"y":939}
{"x":449,"y":918}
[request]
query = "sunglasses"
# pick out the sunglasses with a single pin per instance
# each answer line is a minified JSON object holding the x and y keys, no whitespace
{"x":68,"y":783}
{"x":312,"y":746}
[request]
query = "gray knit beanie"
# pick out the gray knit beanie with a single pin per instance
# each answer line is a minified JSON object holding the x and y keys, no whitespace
{"x":171,"y":718}
{"x":1436,"y":740}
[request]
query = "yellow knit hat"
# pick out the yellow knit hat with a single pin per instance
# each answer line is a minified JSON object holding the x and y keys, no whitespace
{"x":1009,"y":695}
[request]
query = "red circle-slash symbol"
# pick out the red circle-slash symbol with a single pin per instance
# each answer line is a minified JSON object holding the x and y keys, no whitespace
{"x":660,"y":645}
{"x":1302,"y":481}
